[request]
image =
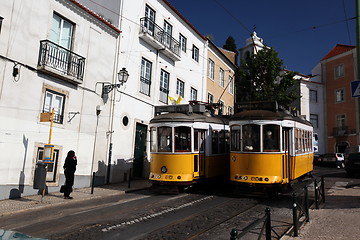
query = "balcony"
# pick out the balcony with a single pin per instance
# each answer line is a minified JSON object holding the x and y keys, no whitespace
{"x":60,"y":62}
{"x":159,"y":39}
{"x":340,"y":131}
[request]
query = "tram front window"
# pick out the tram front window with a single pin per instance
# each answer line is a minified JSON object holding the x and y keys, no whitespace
{"x":164,"y":139}
{"x":251,"y":138}
{"x":271,"y":138}
{"x":182,"y":139}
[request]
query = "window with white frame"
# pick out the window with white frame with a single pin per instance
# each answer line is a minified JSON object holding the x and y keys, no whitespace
{"x":167,"y":34}
{"x":222,"y":77}
{"x":164,"y":86}
{"x":314,"y":119}
{"x":339,"y":70}
{"x":230,"y":110}
{"x":180,"y":85}
{"x":340,"y":95}
{"x":182,"y":41}
{"x":61,"y":31}
{"x":231,"y":85}
{"x":221,"y":107}
{"x":145,"y":76}
{"x":313,"y":96}
{"x":211,"y":69}
{"x":193,"y":94}
{"x":340,"y":121}
{"x":149,"y":23}
{"x":56,"y":101}
{"x":195,"y":53}
{"x":210,"y":98}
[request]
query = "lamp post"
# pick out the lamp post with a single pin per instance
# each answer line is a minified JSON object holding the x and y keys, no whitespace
{"x":123,"y":76}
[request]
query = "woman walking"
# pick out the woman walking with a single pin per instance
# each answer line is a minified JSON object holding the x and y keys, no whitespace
{"x":69,"y":170}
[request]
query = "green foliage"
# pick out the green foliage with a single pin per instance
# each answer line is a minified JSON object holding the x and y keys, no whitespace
{"x":231,"y":46}
{"x":262,"y":78}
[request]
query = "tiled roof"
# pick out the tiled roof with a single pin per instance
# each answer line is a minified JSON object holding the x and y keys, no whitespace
{"x":338,"y":49}
{"x":95,"y":15}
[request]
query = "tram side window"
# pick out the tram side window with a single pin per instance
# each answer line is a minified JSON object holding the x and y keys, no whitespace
{"x":251,"y":138}
{"x":182,"y":139}
{"x":224,"y":141}
{"x":271,"y":138}
{"x":235,"y":138}
{"x":153,"y":139}
{"x":215,"y":141}
{"x":199,"y":139}
{"x":164,"y":139}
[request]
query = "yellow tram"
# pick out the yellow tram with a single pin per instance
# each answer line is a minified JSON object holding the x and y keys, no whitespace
{"x":269,"y":147}
{"x":188,"y":143}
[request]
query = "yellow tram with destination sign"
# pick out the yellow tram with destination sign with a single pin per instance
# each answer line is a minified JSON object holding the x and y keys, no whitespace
{"x":270,"y":147}
{"x":188,"y":143}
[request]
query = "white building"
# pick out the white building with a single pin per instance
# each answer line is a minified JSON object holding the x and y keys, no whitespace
{"x":52,"y":55}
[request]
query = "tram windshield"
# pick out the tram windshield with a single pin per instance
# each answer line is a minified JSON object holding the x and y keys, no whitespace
{"x":182,"y":139}
{"x":251,"y":138}
{"x":164,"y":139}
{"x":271,"y":138}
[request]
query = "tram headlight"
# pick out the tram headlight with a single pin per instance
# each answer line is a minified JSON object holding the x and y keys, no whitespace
{"x":163,"y":169}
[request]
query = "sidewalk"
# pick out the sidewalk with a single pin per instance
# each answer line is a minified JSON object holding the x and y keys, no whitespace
{"x":10,"y":206}
{"x":337,"y":218}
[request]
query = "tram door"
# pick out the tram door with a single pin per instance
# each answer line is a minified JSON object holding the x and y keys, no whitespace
{"x":199,"y":152}
{"x":287,"y":148}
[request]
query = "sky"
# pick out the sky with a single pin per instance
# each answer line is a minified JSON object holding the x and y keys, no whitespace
{"x":302,"y":32}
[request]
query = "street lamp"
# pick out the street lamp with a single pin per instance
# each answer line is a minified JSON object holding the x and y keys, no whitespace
{"x":123,"y":76}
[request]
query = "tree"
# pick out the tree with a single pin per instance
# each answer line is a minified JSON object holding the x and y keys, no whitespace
{"x":231,"y":46}
{"x":263,"y":78}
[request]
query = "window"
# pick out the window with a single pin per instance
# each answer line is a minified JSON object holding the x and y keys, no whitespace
{"x":221,"y":78}
{"x":231,"y":85}
{"x":167,"y":34}
{"x":51,"y":169}
{"x":199,"y":140}
{"x":211,"y":69}
{"x":271,"y":138}
{"x":340,"y":95}
{"x":152,"y":139}
{"x":56,"y":101}
{"x":164,"y":139}
{"x":251,"y":138}
{"x":149,"y":23}
{"x":195,"y":53}
{"x":230,"y":110}
{"x":340,"y":121}
{"x":235,"y":138}
{"x":164,"y":86}
{"x":61,"y":31}
{"x":339,"y":71}
{"x":221,"y":107}
{"x":180,"y":88}
{"x":145,"y":77}
{"x":210,"y":98}
{"x":313,"y":96}
{"x":182,"y":41}
{"x":182,"y":139}
{"x":193,"y":94}
{"x":314,"y":119}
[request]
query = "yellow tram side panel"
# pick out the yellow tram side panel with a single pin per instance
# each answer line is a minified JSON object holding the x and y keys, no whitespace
{"x":301,"y":164}
{"x":217,"y":165}
{"x":178,"y":166}
{"x":255,"y":166}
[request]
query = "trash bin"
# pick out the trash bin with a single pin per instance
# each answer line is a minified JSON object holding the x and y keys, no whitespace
{"x":40,"y":175}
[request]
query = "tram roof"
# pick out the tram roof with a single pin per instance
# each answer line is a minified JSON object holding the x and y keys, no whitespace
{"x":193,"y":117}
{"x":267,"y":115}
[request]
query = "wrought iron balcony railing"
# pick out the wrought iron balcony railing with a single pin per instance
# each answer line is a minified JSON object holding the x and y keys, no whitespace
{"x":61,"y":60}
{"x":340,"y":131}
{"x":154,"y":30}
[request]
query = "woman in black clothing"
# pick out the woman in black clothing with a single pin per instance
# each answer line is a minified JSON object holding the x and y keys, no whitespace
{"x":69,"y":170}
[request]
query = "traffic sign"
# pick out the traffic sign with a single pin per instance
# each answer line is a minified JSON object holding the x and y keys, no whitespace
{"x":355,"y":88}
